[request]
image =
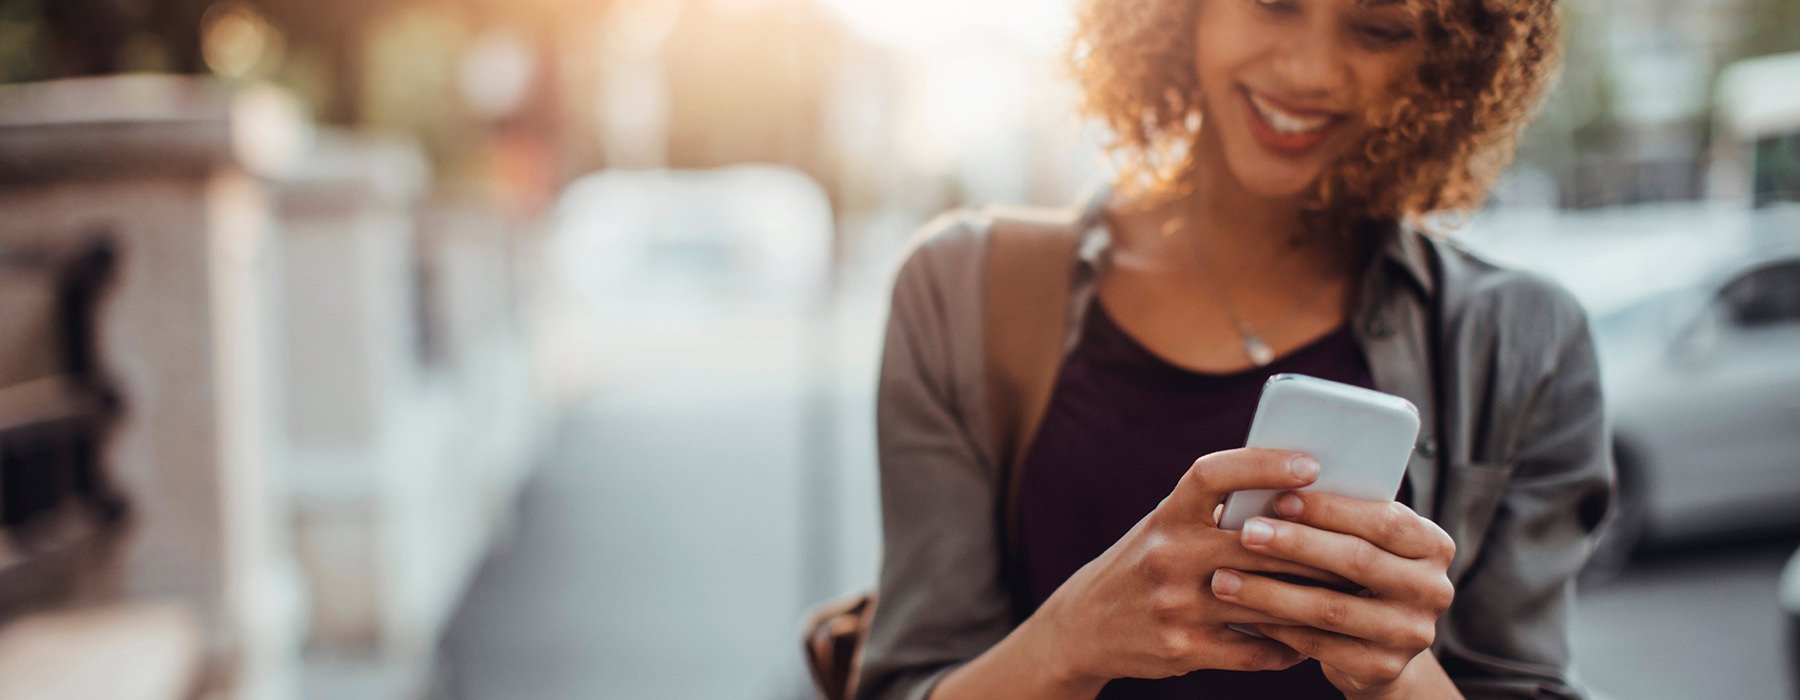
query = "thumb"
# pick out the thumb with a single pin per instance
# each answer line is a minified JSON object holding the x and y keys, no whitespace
{"x":1206,"y":483}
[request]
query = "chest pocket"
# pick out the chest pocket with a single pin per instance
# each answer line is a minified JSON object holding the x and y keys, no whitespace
{"x":1471,"y":495}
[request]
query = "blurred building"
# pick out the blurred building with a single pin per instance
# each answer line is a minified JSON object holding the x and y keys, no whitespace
{"x":1633,"y":119}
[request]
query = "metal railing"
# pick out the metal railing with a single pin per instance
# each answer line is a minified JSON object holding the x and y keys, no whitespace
{"x":58,"y":507}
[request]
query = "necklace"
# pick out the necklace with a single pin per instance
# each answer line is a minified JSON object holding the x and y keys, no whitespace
{"x":1256,"y":349}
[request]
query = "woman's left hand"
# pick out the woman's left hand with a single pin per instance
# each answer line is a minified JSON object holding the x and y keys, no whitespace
{"x":1366,"y":643}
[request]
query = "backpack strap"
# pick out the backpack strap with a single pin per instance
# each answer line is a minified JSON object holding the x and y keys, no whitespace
{"x":1029,"y":265}
{"x":1030,"y":262}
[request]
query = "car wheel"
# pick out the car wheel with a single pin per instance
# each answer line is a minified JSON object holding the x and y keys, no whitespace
{"x":1623,"y":532}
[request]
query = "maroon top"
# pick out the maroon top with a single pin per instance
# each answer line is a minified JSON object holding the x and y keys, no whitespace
{"x":1122,"y":426}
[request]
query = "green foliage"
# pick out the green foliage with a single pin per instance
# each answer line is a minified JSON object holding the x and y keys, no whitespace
{"x":1770,"y":27}
{"x":22,"y":45}
{"x":1577,"y":115}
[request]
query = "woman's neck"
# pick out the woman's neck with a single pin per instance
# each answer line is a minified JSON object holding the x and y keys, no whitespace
{"x":1191,"y":278}
{"x":1244,"y":237}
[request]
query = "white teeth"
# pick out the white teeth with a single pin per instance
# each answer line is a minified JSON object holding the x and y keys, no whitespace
{"x":1284,"y":122}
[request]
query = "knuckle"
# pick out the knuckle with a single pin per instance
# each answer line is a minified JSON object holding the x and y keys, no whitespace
{"x":1168,"y":602}
{"x":1364,"y":557}
{"x":1199,"y":475}
{"x":1157,"y":561}
{"x":1395,"y":520}
{"x":1255,"y":658}
{"x":1446,"y":546}
{"x":1418,"y":636}
{"x":1442,"y":593}
{"x":1177,"y":645}
{"x":1386,"y":668}
{"x":1332,"y":613}
{"x":1309,"y":644}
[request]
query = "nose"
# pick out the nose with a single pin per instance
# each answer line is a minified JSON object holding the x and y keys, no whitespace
{"x":1310,"y":65}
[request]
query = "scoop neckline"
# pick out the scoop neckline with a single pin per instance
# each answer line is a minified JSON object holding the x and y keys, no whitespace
{"x":1154,"y":360}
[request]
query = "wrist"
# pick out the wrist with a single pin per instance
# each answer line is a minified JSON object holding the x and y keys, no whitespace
{"x":1048,"y":651}
{"x":1422,"y":678}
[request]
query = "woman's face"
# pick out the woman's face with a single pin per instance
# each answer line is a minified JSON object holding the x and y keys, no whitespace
{"x":1286,"y":84}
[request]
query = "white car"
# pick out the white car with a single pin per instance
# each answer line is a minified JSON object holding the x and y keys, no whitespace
{"x":1703,"y":388}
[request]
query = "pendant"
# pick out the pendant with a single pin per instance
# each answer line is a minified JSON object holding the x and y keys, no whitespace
{"x":1259,"y":352}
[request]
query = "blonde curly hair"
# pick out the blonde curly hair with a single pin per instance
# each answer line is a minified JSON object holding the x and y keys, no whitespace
{"x":1438,"y":146}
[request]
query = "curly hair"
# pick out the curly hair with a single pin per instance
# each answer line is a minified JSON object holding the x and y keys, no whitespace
{"x":1436,"y":146}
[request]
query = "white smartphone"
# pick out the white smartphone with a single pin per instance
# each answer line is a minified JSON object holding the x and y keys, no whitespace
{"x":1361,"y":437}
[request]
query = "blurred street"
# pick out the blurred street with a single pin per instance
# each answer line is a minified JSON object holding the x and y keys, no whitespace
{"x":1692,"y":623}
{"x":659,"y":552}
{"x":659,"y":547}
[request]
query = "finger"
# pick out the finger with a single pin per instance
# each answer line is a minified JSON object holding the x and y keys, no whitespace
{"x":1368,"y":619}
{"x":1232,"y":613}
{"x":1245,"y":560}
{"x":1225,"y":548}
{"x":1365,"y":665}
{"x":1388,"y":524}
{"x":1328,"y":647}
{"x":1236,"y":651}
{"x":1354,"y":558}
{"x":1210,"y":478}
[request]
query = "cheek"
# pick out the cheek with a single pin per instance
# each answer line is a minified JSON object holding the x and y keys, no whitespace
{"x":1223,"y":41}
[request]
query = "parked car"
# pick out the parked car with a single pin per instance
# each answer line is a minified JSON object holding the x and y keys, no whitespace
{"x":1703,"y":389}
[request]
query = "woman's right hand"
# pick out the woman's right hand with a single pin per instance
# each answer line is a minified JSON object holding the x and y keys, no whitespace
{"x":1144,"y":608}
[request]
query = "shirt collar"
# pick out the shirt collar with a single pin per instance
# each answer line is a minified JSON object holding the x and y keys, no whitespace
{"x":1403,"y":247}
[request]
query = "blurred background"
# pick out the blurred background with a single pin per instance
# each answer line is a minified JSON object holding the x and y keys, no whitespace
{"x":473,"y":349}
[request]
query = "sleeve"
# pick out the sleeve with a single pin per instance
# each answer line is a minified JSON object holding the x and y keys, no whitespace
{"x":940,"y":600}
{"x":1508,"y":630}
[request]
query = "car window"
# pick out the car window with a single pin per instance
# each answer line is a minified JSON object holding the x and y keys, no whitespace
{"x":1765,"y":296}
{"x":1776,"y":173}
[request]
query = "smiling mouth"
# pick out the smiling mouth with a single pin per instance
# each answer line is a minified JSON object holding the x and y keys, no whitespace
{"x":1286,"y":130}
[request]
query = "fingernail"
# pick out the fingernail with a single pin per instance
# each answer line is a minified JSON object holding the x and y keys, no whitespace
{"x":1303,"y":467}
{"x":1257,"y":532}
{"x":1226,"y":582}
{"x":1288,"y":505}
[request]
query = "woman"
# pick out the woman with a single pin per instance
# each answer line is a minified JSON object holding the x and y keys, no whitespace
{"x":1271,"y":148}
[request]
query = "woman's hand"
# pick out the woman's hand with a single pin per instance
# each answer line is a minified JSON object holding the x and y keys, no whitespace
{"x":1366,"y":643}
{"x":1143,"y":608}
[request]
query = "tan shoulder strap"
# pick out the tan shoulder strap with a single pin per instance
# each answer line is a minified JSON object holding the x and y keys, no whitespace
{"x":1028,"y":266}
{"x":1030,"y":260}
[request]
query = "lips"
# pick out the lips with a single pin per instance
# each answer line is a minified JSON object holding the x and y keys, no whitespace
{"x":1284,"y":129}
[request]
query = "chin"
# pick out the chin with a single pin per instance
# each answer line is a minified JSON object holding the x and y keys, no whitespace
{"x":1277,"y":180}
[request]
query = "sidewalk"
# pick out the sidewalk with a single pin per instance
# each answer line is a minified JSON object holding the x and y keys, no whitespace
{"x":659,"y":551}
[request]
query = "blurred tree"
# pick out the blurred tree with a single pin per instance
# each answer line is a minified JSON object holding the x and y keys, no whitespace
{"x":1578,"y":115}
{"x":84,"y":36}
{"x":1769,"y":27}
{"x":22,"y":52}
{"x":336,"y":31}
{"x":47,"y":39}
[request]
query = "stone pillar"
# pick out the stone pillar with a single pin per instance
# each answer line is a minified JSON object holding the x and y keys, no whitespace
{"x":361,"y":424}
{"x":173,"y":170}
{"x":476,"y":261}
{"x":407,"y":430}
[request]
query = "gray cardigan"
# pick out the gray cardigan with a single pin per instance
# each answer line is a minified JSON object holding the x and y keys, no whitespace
{"x":1528,"y":476}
